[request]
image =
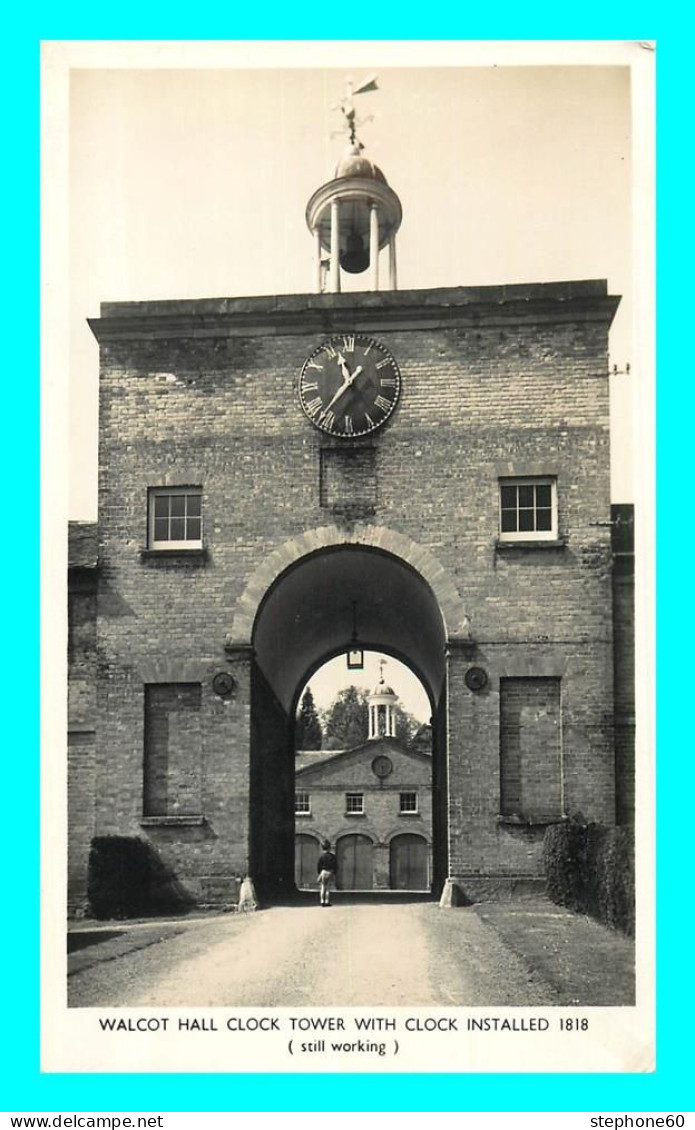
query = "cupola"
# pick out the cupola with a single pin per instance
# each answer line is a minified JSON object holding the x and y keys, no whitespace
{"x":356,"y":215}
{"x":382,"y":714}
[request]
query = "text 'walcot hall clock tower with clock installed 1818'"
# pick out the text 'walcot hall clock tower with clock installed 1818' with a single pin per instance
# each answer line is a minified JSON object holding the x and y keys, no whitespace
{"x":427,"y":470}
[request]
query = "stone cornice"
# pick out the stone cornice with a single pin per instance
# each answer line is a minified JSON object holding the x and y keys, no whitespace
{"x":456,"y":307}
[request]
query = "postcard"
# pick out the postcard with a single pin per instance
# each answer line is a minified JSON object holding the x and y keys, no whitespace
{"x":348,"y":478}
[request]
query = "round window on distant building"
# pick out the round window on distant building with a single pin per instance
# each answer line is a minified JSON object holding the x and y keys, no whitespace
{"x":382,"y":766}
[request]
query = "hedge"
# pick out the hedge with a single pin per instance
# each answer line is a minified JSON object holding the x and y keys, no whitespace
{"x":128,"y":879}
{"x":591,"y":868}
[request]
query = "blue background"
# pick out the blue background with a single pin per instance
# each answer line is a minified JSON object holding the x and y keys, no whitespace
{"x":669,"y":1088}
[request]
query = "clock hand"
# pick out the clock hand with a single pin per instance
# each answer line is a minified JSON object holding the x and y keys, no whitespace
{"x":344,"y":368}
{"x":349,"y":378}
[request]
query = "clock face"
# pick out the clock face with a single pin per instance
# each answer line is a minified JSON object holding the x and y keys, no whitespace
{"x":349,"y":385}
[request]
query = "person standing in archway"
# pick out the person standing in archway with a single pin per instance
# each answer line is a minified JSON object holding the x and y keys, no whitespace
{"x":327,"y":867}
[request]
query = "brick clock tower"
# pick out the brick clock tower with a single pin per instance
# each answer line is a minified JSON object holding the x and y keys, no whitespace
{"x":438,"y":461}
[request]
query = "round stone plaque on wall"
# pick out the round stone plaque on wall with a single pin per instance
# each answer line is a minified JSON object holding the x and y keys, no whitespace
{"x":223,"y":683}
{"x":382,"y":766}
{"x":475,"y":678}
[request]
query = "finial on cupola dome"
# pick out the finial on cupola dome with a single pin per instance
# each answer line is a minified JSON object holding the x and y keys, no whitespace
{"x":347,"y":108}
{"x":356,"y":215}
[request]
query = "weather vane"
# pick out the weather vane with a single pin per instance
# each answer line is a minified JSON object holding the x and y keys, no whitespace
{"x":347,"y":108}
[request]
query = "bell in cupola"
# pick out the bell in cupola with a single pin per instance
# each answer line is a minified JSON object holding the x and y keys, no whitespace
{"x":355,"y":257}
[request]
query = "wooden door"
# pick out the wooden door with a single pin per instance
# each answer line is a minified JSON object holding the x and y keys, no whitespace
{"x":355,"y":867}
{"x":306,"y":853}
{"x":408,"y":863}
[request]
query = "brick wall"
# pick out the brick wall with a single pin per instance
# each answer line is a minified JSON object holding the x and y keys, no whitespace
{"x":624,"y":660}
{"x":81,"y":820}
{"x":172,"y":753}
{"x":82,"y":604}
{"x":271,"y":795}
{"x":82,"y":704}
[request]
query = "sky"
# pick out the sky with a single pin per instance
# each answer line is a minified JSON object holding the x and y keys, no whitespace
{"x":188,"y":181}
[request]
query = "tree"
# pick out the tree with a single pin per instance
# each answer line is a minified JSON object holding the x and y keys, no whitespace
{"x":308,"y":730}
{"x":421,"y":741}
{"x":347,"y":720}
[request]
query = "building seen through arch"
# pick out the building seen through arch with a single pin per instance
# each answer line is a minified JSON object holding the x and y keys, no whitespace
{"x":372,"y":801}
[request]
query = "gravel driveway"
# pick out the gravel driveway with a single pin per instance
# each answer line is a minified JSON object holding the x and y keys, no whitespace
{"x":352,"y":954}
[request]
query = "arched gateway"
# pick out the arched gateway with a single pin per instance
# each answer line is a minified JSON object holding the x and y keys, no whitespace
{"x":368,"y":536}
{"x":308,"y":614}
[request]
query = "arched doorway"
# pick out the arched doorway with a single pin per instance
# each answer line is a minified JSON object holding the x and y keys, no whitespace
{"x":355,"y":864}
{"x":408,"y":858}
{"x":305,"y":618}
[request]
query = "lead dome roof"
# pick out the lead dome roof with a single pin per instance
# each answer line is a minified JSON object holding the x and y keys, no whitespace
{"x":353,"y":163}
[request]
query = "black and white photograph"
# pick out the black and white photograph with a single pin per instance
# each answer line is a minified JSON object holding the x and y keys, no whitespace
{"x":353,"y":477}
